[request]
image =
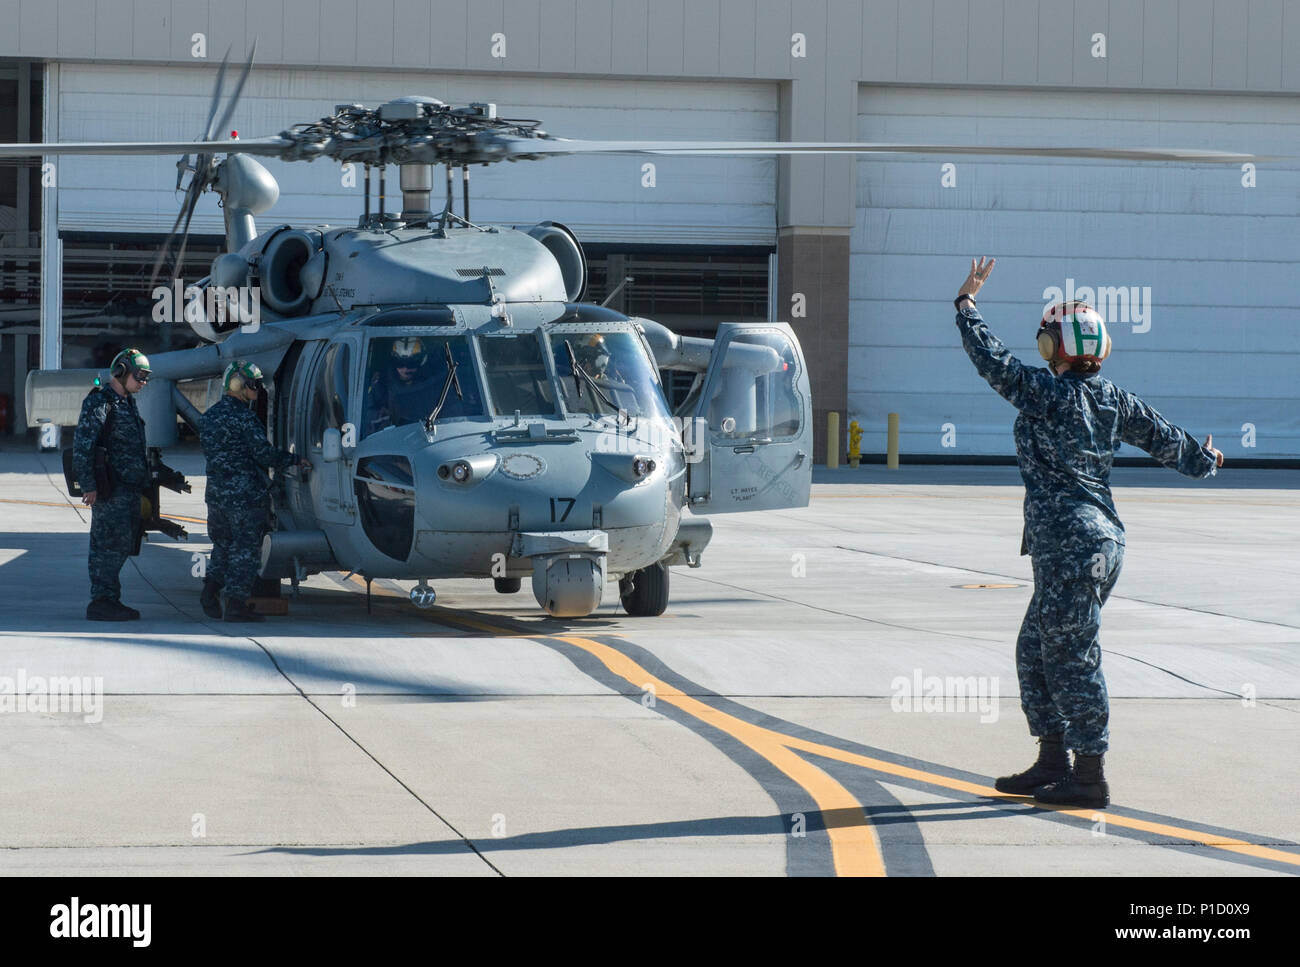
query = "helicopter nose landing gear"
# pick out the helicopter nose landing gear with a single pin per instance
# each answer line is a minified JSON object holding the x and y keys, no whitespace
{"x":423,"y":596}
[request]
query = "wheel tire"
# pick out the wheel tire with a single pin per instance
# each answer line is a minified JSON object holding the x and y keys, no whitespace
{"x":648,"y":595}
{"x":507,"y":585}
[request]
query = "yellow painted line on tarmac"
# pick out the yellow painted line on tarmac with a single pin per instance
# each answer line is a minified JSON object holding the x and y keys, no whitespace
{"x":855,"y":849}
{"x":1127,"y":822}
{"x":35,"y":503}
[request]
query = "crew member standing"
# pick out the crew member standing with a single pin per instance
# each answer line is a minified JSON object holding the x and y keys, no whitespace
{"x":109,"y":419}
{"x":238,"y":455}
{"x":1071,"y":423}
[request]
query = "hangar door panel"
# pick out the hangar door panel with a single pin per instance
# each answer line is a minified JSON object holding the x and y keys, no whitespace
{"x":1191,"y":268}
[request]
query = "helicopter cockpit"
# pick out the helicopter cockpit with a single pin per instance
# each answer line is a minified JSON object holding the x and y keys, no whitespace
{"x":605,"y":374}
{"x":559,"y":371}
{"x":404,"y":379}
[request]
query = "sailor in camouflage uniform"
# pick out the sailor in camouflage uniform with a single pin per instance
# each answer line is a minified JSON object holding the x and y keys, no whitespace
{"x":110,"y":411}
{"x":1071,"y":422}
{"x":237,"y":494}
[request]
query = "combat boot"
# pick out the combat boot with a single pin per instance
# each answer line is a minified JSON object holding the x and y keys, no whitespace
{"x":210,"y":599}
{"x":105,"y":609}
{"x":240,"y":611}
{"x":1084,"y":786}
{"x":1053,"y":765}
{"x":131,"y":613}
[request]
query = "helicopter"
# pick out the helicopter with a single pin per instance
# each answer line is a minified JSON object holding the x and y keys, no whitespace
{"x":465,"y":412}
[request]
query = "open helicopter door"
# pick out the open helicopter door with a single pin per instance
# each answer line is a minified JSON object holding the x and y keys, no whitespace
{"x":752,"y":447}
{"x":331,"y":481}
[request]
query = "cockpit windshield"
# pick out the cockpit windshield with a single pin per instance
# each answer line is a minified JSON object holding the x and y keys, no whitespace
{"x":405,"y":377}
{"x":516,"y":375}
{"x":613,"y":374}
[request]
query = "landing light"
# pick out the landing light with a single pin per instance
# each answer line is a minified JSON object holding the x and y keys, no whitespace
{"x":643,"y":467}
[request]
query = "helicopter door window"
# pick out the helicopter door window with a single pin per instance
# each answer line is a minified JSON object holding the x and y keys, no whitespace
{"x":516,"y":375}
{"x":329,"y":398}
{"x":406,"y":377}
{"x":753,"y":398}
{"x":613,"y":373}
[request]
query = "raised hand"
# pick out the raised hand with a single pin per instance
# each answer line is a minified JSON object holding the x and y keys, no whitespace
{"x":979,"y":274}
{"x":1209,"y":445}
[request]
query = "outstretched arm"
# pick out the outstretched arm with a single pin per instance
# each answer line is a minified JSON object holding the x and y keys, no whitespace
{"x":1024,"y":387}
{"x":1172,"y":446}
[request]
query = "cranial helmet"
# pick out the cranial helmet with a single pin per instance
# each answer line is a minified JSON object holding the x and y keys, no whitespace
{"x":1073,"y":332}
{"x":130,"y":361}
{"x":240,"y":375}
{"x":409,"y":352}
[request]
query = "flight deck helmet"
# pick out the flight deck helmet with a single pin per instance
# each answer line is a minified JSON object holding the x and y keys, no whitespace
{"x":1074,"y":333}
{"x":132,"y":362}
{"x":242,"y":375}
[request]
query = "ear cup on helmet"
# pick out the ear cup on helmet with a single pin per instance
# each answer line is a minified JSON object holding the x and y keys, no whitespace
{"x":234,"y":380}
{"x":1049,"y":342}
{"x":240,"y":375}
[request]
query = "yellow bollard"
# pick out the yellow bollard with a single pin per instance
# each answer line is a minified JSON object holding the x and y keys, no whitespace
{"x":832,"y":440}
{"x":855,"y":444}
{"x":892,"y":458}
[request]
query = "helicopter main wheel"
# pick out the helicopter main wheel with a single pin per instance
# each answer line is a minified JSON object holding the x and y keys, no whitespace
{"x":644,"y":593}
{"x":507,"y":585}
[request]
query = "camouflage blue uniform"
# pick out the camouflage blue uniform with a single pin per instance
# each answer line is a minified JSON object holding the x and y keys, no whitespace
{"x":238,"y":455}
{"x":1066,"y":436}
{"x":115,"y":516}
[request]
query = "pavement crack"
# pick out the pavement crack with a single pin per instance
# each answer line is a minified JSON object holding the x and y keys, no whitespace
{"x":334,"y":722}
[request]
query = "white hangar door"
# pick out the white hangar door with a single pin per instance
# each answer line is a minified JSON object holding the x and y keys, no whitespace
{"x":681,"y":200}
{"x":1213,"y":264}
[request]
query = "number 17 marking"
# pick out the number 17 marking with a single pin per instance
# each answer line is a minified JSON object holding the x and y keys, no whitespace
{"x":565,"y":516}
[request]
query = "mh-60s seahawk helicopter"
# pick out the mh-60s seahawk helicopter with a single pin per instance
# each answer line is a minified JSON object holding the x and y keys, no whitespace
{"x":465,"y":413}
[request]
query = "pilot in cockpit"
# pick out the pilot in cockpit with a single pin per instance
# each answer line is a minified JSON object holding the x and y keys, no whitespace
{"x":400,"y":391}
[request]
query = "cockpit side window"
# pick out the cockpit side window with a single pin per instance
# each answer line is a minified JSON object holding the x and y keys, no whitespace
{"x":516,"y":375}
{"x":406,"y":376}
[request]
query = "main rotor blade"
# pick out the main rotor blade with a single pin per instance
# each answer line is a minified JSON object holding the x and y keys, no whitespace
{"x":208,"y":132}
{"x":192,"y":192}
{"x":560,"y":146}
{"x":262,"y":146}
{"x":234,"y":97}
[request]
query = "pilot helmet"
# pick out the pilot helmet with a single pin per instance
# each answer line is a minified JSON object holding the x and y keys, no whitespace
{"x":408,"y":352}
{"x":594,"y":353}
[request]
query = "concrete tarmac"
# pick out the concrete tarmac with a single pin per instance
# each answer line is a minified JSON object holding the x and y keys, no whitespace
{"x":833,"y":691}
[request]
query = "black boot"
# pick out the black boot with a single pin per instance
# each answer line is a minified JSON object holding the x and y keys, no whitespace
{"x":240,"y":611}
{"x":1053,"y":765}
{"x":106,"y":609}
{"x":1084,"y":786}
{"x":211,"y":598}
